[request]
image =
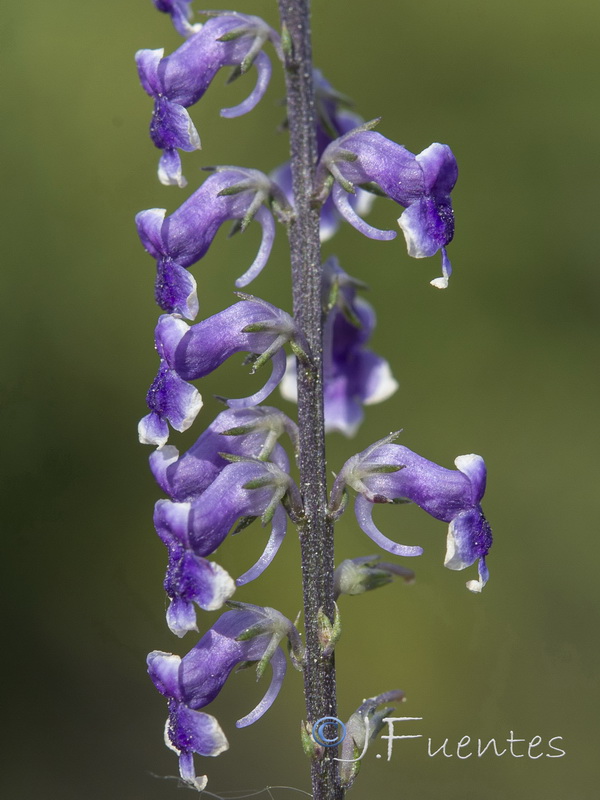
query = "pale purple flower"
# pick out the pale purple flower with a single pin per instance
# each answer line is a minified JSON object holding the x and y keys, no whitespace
{"x":195,"y":529}
{"x":353,"y":375}
{"x":251,"y":633}
{"x":178,"y":81}
{"x":183,"y":238}
{"x":387,"y":473}
{"x":421,"y":183}
{"x":187,"y":353}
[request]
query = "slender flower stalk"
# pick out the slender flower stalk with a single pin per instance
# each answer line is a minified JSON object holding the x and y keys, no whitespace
{"x":316,"y":535}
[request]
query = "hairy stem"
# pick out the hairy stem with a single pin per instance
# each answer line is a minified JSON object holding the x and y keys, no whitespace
{"x":316,"y":532}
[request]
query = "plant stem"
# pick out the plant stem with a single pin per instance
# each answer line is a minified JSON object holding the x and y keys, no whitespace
{"x":316,"y":533}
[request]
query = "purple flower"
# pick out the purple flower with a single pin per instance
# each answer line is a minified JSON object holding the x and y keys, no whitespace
{"x":178,"y":81}
{"x":183,"y":238}
{"x":180,"y":13}
{"x":387,"y":473}
{"x":421,"y":183}
{"x":249,"y":634}
{"x":353,"y":375}
{"x":195,"y":529}
{"x":187,"y":353}
{"x":246,"y":432}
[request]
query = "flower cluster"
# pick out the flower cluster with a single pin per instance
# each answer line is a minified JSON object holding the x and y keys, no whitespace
{"x":238,"y":471}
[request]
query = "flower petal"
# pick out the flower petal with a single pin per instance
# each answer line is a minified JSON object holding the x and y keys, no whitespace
{"x":364,"y":514}
{"x":278,"y":665}
{"x":263,"y":67}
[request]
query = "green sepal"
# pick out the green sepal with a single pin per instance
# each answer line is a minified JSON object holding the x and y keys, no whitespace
{"x":345,"y":155}
{"x":385,"y":468}
{"x":270,"y":510}
{"x":238,"y":188}
{"x":300,"y":352}
{"x":243,"y":524}
{"x":259,"y":483}
{"x":257,"y":327}
{"x":250,"y":633}
{"x":328,"y":632}
{"x":311,"y":749}
{"x":244,"y":665}
{"x":241,"y":430}
{"x":267,"y":656}
{"x":236,"y":33}
{"x":372,"y":188}
{"x":400,"y":501}
{"x":233,"y":458}
{"x":287,"y":43}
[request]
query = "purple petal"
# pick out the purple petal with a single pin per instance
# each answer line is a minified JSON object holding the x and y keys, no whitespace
{"x":377,"y":379}
{"x":153,"y":429}
{"x":170,"y":171}
{"x":163,"y":669}
{"x":440,"y":170}
{"x":473,"y":466}
{"x":181,"y":616}
{"x":342,"y":203}
{"x":278,"y":361}
{"x":175,"y":289}
{"x":364,"y":514}
{"x":195,"y":731}
{"x":172,"y":522}
{"x":427,"y":226}
{"x":469,"y":538}
{"x":171,"y":126}
{"x":172,"y":399}
{"x":263,"y":67}
{"x":149,"y":225}
{"x":264,"y":217}
{"x":278,"y":530}
{"x":279,"y":665}
{"x":147,"y":62}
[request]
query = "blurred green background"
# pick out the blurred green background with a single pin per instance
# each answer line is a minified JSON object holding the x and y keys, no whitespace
{"x":504,"y":363}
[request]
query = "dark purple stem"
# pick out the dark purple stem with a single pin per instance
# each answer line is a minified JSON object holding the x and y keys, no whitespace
{"x":316,"y":532}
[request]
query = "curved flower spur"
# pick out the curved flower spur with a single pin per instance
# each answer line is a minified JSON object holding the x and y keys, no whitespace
{"x":421,"y":183}
{"x":187,"y":353}
{"x":390,"y":473}
{"x":183,"y":238}
{"x":178,"y":81}
{"x":239,"y":638}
